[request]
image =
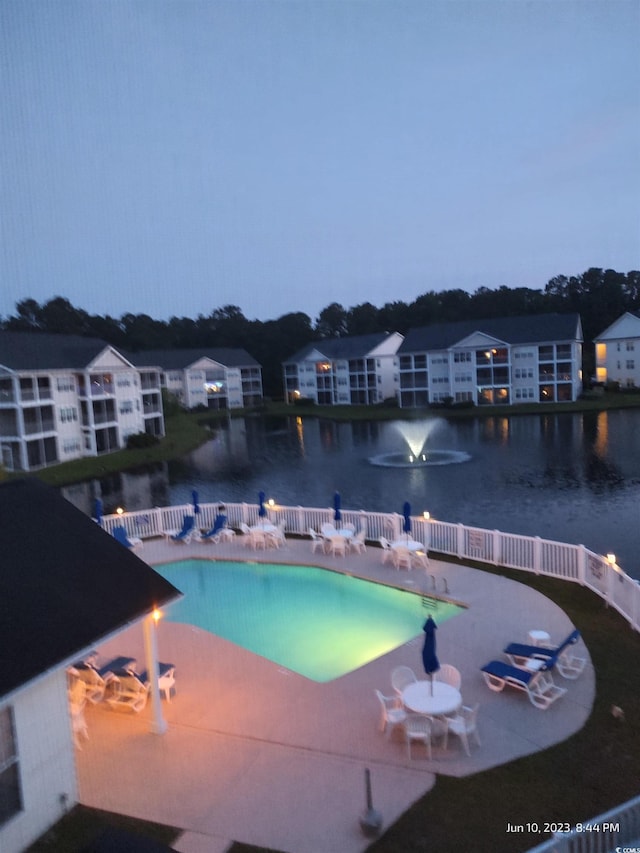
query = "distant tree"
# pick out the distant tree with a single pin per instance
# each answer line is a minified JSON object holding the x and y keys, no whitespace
{"x":142,"y":332}
{"x":363,"y":319}
{"x":59,"y":316}
{"x":28,"y":317}
{"x":395,"y":317}
{"x":332,"y":322}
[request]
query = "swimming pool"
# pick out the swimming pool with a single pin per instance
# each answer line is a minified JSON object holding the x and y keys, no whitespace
{"x":318,"y":623}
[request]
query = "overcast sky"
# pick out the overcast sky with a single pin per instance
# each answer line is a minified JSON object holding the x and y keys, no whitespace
{"x":171,"y":157}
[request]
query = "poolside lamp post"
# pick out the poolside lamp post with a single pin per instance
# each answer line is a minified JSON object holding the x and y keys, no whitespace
{"x":158,"y":722}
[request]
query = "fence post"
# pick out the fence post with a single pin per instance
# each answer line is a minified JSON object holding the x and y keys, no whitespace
{"x":582,"y":564}
{"x":497,"y":547}
{"x":537,"y":552}
{"x":460,"y":542}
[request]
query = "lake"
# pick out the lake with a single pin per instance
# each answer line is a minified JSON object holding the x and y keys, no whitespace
{"x":573,"y":478}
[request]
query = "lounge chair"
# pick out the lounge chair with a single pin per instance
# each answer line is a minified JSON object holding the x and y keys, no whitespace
{"x":538,"y":685}
{"x":95,"y":684}
{"x":216,"y":532}
{"x":567,"y":664}
{"x":184,"y":535}
{"x":120,"y":534}
{"x":166,"y":679}
{"x":128,"y":690}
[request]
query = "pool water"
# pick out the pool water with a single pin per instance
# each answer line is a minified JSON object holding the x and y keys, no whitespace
{"x":318,"y":623}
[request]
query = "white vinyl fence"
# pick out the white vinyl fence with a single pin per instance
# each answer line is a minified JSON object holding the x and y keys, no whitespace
{"x":526,"y":553}
{"x":617,"y":831}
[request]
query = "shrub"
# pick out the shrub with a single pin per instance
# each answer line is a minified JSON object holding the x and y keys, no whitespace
{"x":141,"y":439}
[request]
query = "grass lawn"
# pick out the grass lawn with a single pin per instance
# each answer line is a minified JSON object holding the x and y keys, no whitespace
{"x":593,"y":771}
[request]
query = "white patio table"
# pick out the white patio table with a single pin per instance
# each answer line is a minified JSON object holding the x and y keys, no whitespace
{"x":435,"y":699}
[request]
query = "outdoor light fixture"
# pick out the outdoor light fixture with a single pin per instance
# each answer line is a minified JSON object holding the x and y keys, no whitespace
{"x":271,"y":502}
{"x":119,"y":510}
{"x":156,"y":615}
{"x":611,"y":558}
{"x":426,"y":515}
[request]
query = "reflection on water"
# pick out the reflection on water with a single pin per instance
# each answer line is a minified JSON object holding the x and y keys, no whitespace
{"x":574,"y":478}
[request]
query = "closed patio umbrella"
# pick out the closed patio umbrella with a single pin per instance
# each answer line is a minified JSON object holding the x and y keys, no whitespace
{"x":429,"y":659}
{"x":98,"y":510}
{"x":337,"y":515}
{"x":406,"y":524}
{"x":194,"y":500}
{"x":262,"y":510}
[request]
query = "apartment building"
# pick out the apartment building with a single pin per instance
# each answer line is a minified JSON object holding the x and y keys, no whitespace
{"x":618,"y":352}
{"x":222,"y":378}
{"x":63,"y":397}
{"x":507,"y":360}
{"x":356,"y":370}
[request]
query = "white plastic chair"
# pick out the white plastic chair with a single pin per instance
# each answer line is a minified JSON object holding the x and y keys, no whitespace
{"x":357,"y":543}
{"x":392,"y":714}
{"x":464,"y":724}
{"x":417,"y":727}
{"x":448,"y":674}
{"x":316,"y":541}
{"x":401,"y":677}
{"x":402,"y":558}
{"x":338,"y":546}
{"x":387,"y":551}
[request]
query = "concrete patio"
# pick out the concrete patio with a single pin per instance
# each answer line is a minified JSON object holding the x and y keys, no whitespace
{"x":258,"y":754}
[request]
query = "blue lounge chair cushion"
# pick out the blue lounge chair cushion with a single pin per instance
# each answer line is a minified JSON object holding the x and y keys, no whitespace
{"x":120,"y":664}
{"x":120,"y":534}
{"x":187,"y":527}
{"x":219,"y":523}
{"x":163,"y":669}
{"x":500,"y":669}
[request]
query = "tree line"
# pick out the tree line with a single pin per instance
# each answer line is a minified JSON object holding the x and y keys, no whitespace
{"x":599,"y":296}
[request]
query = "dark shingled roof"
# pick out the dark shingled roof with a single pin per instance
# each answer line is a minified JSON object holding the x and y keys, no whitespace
{"x":530,"y":329}
{"x":354,"y":346}
{"x":36,"y":351}
{"x":64,"y":582}
{"x":180,"y":359}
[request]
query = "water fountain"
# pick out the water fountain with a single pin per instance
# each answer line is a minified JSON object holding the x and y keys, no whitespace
{"x":416,"y":454}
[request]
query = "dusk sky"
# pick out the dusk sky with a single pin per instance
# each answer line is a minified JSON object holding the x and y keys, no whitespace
{"x":171,"y":157}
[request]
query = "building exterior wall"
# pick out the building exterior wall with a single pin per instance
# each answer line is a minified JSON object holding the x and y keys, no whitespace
{"x":46,"y":762}
{"x":618,"y":353}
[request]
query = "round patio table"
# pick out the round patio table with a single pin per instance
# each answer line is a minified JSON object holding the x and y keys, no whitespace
{"x":444,"y":699}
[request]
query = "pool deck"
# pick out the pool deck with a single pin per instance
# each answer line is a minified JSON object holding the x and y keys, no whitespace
{"x":258,"y":754}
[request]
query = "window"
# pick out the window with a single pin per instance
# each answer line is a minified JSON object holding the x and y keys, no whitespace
{"x":630,"y":346}
{"x":630,"y":364}
{"x":65,"y":383}
{"x":10,"y":793}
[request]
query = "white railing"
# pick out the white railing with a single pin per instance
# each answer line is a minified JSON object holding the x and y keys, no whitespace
{"x":526,"y":553}
{"x":617,"y":830}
